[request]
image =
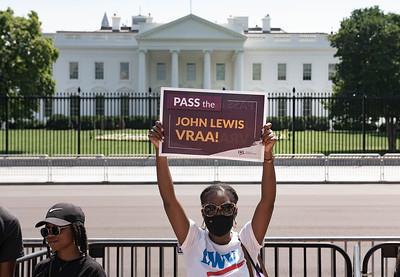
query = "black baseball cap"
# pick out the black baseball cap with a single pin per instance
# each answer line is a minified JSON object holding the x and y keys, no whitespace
{"x":62,"y":214}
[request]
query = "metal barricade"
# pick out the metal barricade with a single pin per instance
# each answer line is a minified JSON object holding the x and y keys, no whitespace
{"x":300,"y":168}
{"x":26,"y":264}
{"x":386,"y":253}
{"x":283,"y":256}
{"x":354,"y":168}
{"x":356,"y":261}
{"x":290,"y":168}
{"x":77,"y":169}
{"x":137,"y":257}
{"x":391,"y":167}
{"x":129,"y":168}
{"x":149,"y":258}
{"x":315,"y":259}
{"x":198,"y":170}
{"x":13,"y":168}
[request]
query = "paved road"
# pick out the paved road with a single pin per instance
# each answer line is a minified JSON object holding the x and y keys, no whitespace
{"x":136,"y":211}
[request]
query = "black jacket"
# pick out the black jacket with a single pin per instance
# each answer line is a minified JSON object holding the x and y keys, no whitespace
{"x":84,"y":266}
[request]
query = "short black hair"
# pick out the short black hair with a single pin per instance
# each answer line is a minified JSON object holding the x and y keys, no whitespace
{"x":220,"y":187}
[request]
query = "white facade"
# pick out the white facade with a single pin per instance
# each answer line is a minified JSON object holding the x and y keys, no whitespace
{"x":192,"y":52}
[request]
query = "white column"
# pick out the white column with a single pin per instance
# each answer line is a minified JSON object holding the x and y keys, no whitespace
{"x":142,"y":71}
{"x":238,"y":82}
{"x":207,"y":69}
{"x":175,"y":68}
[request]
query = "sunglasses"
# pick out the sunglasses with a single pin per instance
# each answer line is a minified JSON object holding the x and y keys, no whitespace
{"x":54,"y":230}
{"x":226,"y":209}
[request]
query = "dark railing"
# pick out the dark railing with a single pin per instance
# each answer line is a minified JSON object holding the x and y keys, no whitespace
{"x":298,"y":256}
{"x":27,"y":263}
{"x":144,"y":257}
{"x":158,"y":253}
{"x":329,"y":259}
{"x":386,"y":251}
{"x":118,"y":124}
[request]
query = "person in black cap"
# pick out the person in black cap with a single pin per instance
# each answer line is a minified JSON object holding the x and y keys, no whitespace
{"x":64,"y":232}
{"x":10,"y":242}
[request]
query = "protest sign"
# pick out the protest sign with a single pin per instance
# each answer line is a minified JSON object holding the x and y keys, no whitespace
{"x":212,"y":123}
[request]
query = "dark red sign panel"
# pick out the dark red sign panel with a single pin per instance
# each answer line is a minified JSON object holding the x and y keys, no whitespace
{"x":222,"y":124}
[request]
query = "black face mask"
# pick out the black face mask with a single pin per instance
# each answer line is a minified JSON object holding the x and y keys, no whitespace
{"x":219,"y":225}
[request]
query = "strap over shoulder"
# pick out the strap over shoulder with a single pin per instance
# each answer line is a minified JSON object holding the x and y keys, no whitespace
{"x":249,"y":261}
{"x":260,"y":270}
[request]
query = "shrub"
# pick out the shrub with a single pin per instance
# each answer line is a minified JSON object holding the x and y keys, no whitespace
{"x":316,"y":123}
{"x":301,"y":123}
{"x":88,"y":123}
{"x":382,"y":128}
{"x":137,"y":122}
{"x":59,"y":122}
{"x":109,"y":122}
{"x":353,"y":124}
{"x":26,"y":124}
{"x":279,"y":122}
{"x":62,"y":122}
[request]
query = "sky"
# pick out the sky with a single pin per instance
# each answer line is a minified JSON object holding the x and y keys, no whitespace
{"x":290,"y":15}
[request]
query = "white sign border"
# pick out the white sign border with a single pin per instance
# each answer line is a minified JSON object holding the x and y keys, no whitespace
{"x":209,"y":91}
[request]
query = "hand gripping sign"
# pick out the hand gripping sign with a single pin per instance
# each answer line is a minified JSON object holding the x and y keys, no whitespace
{"x":212,"y":123}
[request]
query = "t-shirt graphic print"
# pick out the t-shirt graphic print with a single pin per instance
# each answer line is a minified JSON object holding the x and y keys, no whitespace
{"x":223,"y":263}
{"x":203,"y":257}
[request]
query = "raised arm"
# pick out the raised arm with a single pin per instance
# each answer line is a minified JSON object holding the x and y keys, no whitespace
{"x":172,"y":207}
{"x":265,"y":207}
{"x":7,"y":268}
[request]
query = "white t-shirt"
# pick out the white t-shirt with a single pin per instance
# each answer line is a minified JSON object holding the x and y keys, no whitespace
{"x":204,"y":258}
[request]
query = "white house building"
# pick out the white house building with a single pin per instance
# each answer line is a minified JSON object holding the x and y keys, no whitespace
{"x":192,"y":52}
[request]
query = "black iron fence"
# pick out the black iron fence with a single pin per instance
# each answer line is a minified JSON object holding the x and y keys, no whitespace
{"x":118,"y":124}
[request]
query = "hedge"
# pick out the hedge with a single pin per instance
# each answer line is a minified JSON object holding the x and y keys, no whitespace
{"x":58,"y":122}
{"x":353,"y":125}
{"x":62,"y":122}
{"x":301,"y":123}
{"x":26,"y":124}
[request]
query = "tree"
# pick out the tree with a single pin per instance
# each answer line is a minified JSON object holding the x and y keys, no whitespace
{"x":26,"y":60}
{"x":368,"y":47}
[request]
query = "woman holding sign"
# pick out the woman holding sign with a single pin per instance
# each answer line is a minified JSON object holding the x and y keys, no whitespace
{"x":217,"y":250}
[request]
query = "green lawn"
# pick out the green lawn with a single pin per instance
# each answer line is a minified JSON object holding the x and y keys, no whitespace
{"x":65,"y":142}
{"x":332,"y":142}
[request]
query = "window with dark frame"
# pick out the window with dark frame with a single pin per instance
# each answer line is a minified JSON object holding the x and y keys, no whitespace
{"x":161,"y":72}
{"x":256,"y":71}
{"x":307,"y":71}
{"x":73,"y":70}
{"x":220,"y":72}
{"x":281,"y":72}
{"x":124,"y":71}
{"x":190,"y":72}
{"x":99,"y":70}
